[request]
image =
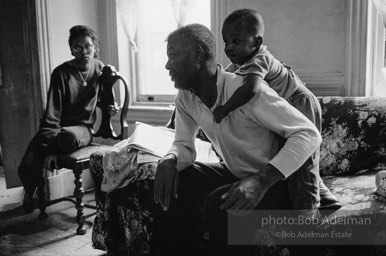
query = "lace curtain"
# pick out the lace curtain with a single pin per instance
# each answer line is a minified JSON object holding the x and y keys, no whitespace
{"x":128,"y":11}
{"x":182,"y":11}
{"x":381,"y":7}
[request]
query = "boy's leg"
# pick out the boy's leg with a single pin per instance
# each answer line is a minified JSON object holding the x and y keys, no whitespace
{"x":305,"y":185}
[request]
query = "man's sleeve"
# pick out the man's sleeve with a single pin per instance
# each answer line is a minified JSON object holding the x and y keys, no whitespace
{"x":277,"y":115}
{"x":185,"y":132}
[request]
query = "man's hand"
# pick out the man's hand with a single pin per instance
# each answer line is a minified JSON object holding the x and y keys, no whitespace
{"x":247,"y":193}
{"x":166,"y":181}
{"x":113,"y":109}
{"x":219,"y":113}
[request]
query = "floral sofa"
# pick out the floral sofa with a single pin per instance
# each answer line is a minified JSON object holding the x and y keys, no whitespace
{"x":352,"y":152}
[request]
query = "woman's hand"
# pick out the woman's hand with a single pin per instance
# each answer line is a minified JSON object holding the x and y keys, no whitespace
{"x":113,"y":109}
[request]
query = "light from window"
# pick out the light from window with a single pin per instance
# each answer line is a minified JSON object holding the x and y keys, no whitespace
{"x":384,"y":52}
{"x":156,"y":21}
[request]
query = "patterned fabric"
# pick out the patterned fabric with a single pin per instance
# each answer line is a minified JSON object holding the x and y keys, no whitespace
{"x":354,"y":135}
{"x":353,"y":148}
{"x":123,"y":216}
{"x":357,"y":192}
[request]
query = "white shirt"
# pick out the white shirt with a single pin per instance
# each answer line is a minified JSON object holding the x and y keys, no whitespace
{"x":248,"y":138}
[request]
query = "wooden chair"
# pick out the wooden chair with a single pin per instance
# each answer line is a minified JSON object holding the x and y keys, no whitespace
{"x":79,"y":160}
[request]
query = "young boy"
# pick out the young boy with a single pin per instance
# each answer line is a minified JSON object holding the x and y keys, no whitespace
{"x":242,"y":33}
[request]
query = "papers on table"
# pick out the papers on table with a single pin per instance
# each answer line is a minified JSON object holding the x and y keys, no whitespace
{"x":157,"y":141}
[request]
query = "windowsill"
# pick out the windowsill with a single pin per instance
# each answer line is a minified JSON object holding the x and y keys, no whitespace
{"x":157,"y":115}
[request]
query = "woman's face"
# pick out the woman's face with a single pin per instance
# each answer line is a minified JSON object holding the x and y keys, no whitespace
{"x":83,"y":49}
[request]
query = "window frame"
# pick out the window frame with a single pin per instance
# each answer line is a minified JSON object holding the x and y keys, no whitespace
{"x":375,"y":52}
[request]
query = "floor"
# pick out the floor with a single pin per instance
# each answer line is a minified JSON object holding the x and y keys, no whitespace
{"x":24,"y":234}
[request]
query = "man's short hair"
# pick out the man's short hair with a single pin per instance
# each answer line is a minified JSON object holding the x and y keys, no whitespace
{"x":253,"y":20}
{"x":197,"y":34}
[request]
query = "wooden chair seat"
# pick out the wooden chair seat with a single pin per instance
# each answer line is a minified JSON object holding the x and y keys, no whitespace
{"x":82,"y":154}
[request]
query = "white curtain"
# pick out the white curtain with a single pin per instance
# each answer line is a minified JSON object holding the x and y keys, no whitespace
{"x":128,"y":10}
{"x":182,"y":11}
{"x":381,"y":7}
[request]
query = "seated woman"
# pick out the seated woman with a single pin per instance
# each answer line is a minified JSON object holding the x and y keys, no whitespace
{"x":70,"y":113}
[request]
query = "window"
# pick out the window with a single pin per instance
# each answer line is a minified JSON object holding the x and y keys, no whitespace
{"x":156,"y":19}
{"x":376,"y":57}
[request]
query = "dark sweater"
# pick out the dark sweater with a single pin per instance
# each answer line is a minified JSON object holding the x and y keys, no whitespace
{"x":69,"y":102}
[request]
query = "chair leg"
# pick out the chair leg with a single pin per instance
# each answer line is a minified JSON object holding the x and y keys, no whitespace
{"x":42,"y":199}
{"x":78,"y":193}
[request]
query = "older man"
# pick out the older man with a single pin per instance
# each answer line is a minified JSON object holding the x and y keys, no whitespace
{"x":256,"y":161}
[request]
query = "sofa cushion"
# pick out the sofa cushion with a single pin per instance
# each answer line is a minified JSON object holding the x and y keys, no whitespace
{"x":354,"y":135}
{"x":356,"y":192}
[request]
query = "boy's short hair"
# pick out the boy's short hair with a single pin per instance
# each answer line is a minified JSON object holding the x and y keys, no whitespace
{"x":252,"y":19}
{"x":81,"y":30}
{"x":198,"y":34}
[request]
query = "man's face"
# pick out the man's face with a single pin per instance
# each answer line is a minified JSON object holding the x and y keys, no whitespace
{"x":181,"y":64}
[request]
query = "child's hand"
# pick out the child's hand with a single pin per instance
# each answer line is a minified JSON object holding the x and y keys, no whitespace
{"x":219,"y":114}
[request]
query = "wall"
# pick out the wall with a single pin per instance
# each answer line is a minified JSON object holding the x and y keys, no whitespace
{"x":309,"y":36}
{"x":62,"y":15}
{"x":20,"y":101}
